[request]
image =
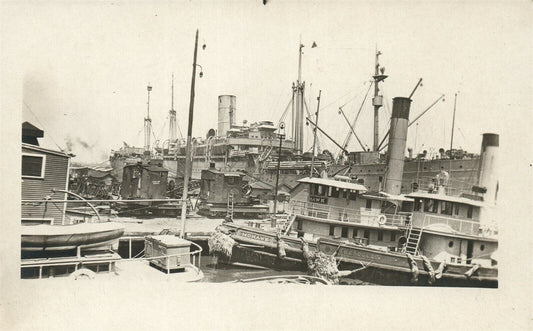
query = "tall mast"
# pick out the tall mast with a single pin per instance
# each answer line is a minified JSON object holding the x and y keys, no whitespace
{"x":172,"y":115}
{"x":314,"y":134}
{"x":188,"y":149}
{"x":453,"y":125}
{"x":147,"y":123}
{"x":299,"y":101}
{"x":377,"y":101}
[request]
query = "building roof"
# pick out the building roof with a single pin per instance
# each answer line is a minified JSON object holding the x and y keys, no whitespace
{"x":31,"y":130}
{"x":333,"y":183}
{"x":260,"y":185}
{"x":443,"y":197}
{"x":45,"y":150}
{"x":225,"y":173}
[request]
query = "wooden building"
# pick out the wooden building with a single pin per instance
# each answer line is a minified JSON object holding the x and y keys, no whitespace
{"x":144,"y":181}
{"x":42,"y":171}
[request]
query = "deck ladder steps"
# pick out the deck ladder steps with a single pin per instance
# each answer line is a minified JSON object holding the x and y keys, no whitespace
{"x":413,"y":240}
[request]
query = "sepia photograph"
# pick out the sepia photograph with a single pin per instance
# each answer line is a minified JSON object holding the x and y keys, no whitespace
{"x":265,"y":164}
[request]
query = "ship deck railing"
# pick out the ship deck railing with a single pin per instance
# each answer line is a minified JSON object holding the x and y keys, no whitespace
{"x":109,"y":259}
{"x":423,"y":220}
{"x":363,"y":216}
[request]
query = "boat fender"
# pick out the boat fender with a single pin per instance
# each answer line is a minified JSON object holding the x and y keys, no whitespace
{"x":414,"y":268}
{"x":83,"y":273}
{"x":440,"y":270}
{"x":281,"y":247}
{"x":472,"y":270}
{"x":429,"y":268}
{"x":382,"y":219}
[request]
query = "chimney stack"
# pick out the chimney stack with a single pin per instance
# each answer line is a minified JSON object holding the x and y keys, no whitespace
{"x":487,"y":178}
{"x":397,"y":141}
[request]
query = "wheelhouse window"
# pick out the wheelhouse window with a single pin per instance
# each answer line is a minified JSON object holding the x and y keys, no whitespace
{"x":418,"y":204}
{"x":380,"y":235}
{"x":353,"y":195}
{"x":368,"y":204}
{"x":428,"y":205}
{"x":331,"y":230}
{"x":334,"y":192}
{"x":469,"y":212}
{"x":393,"y":236}
{"x":33,"y":165}
{"x":366,"y":234}
{"x":345,"y":193}
{"x":344,"y":232}
{"x":447,"y":208}
{"x":456,"y":209}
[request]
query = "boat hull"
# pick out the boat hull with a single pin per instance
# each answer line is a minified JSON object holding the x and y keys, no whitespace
{"x":71,"y":237}
{"x":259,"y":248}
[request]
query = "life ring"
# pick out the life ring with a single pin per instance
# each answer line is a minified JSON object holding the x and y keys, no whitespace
{"x":382,"y":219}
{"x":83,"y":273}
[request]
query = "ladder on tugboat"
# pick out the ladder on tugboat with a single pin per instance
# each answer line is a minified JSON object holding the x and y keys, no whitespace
{"x":229,"y":209}
{"x":413,"y":239}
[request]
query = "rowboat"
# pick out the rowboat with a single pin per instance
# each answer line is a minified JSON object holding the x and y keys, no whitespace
{"x":45,"y":237}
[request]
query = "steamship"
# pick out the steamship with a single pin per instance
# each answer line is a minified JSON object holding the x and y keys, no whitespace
{"x":254,"y":149}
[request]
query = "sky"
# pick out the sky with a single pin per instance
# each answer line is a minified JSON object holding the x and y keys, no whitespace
{"x":84,"y":66}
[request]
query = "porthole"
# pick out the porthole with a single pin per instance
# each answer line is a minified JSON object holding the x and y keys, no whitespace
{"x":425,"y":168}
{"x":482,"y":247}
{"x":460,"y":166}
{"x":450,"y":244}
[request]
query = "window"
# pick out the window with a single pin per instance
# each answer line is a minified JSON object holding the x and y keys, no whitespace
{"x":344,"y":232}
{"x":300,"y":225}
{"x":33,"y":165}
{"x":469,"y":212}
{"x":447,"y":208}
{"x":435,"y":206}
{"x":366,"y":234}
{"x":322,"y":190}
{"x":230,"y":180}
{"x":368,"y":204}
{"x":418,"y":204}
{"x":456,"y":209}
{"x":482,"y":247}
{"x":334,"y":192}
{"x":344,"y":193}
{"x":353,"y":195}
{"x":393,"y":236}
{"x":331,"y":230}
{"x":354,"y":235}
{"x":450,"y":244}
{"x":380,"y":235}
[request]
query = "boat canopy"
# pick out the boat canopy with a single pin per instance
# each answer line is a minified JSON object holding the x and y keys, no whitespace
{"x":443,"y":197}
{"x":333,"y":183}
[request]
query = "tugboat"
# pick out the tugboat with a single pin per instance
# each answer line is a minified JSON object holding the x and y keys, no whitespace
{"x":386,"y":236}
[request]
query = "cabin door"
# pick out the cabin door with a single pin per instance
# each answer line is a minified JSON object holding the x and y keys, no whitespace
{"x":469,"y":250}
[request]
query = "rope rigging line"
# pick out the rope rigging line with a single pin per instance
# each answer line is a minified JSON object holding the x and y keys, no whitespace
{"x":349,"y":134}
{"x":44,"y":126}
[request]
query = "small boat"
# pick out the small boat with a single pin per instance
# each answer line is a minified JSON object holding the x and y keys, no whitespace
{"x":65,"y":237}
{"x":286,"y":279}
